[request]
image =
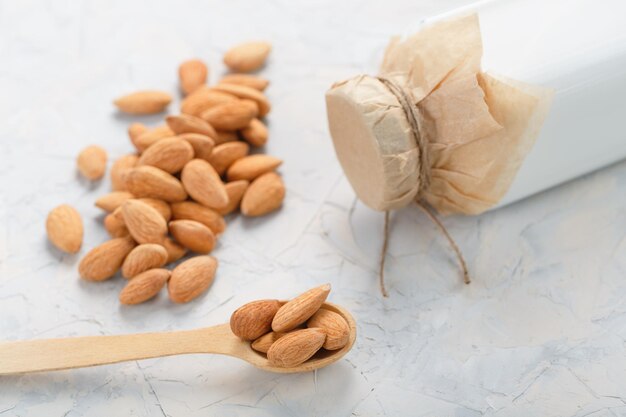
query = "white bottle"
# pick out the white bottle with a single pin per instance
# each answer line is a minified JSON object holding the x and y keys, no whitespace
{"x":578,"y":48}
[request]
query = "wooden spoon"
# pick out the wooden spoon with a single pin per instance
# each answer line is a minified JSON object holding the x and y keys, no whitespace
{"x":78,"y":352}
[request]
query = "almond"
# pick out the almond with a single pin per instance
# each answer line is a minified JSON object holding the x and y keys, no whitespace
{"x":235,"y":191}
{"x":185,"y":123}
{"x":254,"y":319}
{"x":252,"y":166}
{"x":102,"y":262}
{"x":144,"y":286}
{"x":191,"y":278}
{"x":263,"y":196}
{"x":336,"y":328}
{"x":296,"y":347}
{"x":233,"y":115}
{"x":174,"y":250}
{"x":202,"y":99}
{"x":143,"y":102}
{"x":147,"y":181}
{"x":111,"y":201}
{"x":159,"y":205}
{"x":192,"y":74}
{"x":119,"y":169}
{"x":225,"y":154}
{"x":193,"y":235}
{"x":169,"y":154}
{"x":243,"y":92}
{"x":263,"y":343}
{"x":114,"y":224}
{"x":135,"y":130}
{"x":92,"y":162}
{"x":300,"y":309}
{"x":247,"y":57}
{"x":255,"y":133}
{"x":251,"y":104}
{"x":224,"y":136}
{"x":142,"y":258}
{"x":145,"y":223}
{"x":65,"y":228}
{"x":204,"y":184}
{"x":202,"y":145}
{"x":152,"y":136}
{"x":246,"y":80}
{"x":188,"y":210}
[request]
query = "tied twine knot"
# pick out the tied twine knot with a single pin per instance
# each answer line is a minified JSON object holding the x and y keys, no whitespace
{"x":406,"y":101}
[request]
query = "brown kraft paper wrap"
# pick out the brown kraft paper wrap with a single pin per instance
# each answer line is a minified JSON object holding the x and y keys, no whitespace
{"x":477,"y":127}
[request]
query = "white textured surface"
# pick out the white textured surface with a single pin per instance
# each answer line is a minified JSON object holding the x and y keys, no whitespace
{"x":541,"y":331}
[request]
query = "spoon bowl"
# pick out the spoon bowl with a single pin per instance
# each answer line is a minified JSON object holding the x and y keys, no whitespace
{"x":321,"y":359}
{"x":79,"y":352}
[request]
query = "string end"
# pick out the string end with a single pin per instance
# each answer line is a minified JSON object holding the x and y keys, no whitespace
{"x":457,"y":251}
{"x":383,"y":256}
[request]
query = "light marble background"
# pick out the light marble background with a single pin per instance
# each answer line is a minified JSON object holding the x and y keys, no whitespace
{"x":540,"y":332}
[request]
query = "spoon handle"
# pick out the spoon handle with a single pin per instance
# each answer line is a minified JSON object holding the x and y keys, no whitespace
{"x":77,"y":352}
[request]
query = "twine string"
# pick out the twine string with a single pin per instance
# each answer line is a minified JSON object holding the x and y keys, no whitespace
{"x":424,"y":177}
{"x":455,"y":247}
{"x":383,"y":256}
{"x":410,"y":111}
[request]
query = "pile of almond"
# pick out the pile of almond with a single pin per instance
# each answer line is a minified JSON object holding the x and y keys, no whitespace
{"x":171,"y":195}
{"x":291,"y":333}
